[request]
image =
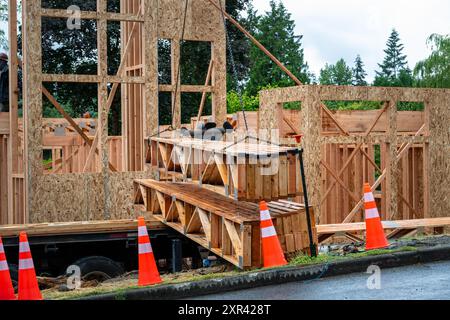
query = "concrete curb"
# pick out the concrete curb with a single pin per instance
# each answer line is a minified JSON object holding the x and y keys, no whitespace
{"x":279,"y":276}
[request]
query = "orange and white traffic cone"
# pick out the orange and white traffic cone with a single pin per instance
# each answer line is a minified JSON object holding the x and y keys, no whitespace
{"x":148,"y":272}
{"x":28,"y":285}
{"x":273,"y":255}
{"x":6,"y":287}
{"x":375,"y":237}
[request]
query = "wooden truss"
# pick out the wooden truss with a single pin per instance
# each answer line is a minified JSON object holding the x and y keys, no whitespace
{"x":249,"y":172}
{"x":228,"y":228}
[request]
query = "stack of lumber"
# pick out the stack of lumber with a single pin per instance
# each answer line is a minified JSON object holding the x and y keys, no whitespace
{"x":228,"y":228}
{"x":77,"y":227}
{"x":396,"y":228}
{"x":247,"y":171}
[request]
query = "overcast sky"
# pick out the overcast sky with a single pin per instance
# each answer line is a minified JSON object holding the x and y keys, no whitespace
{"x":344,"y":28}
{"x":334,"y":29}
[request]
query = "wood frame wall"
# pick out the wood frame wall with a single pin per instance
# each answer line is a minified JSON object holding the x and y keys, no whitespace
{"x":434,"y":135}
{"x":107,"y":194}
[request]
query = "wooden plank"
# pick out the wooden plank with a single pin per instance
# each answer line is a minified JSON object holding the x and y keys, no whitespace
{"x":77,"y":227}
{"x":181,"y":211}
{"x":162,"y":202}
{"x":222,"y":168}
{"x":246,"y":240}
{"x":13,"y":150}
{"x":234,"y":236}
{"x":292,"y":175}
{"x":206,"y":223}
{"x":194,"y":224}
{"x":226,"y":241}
{"x":251,"y":179}
{"x":396,"y":224}
{"x":207,"y":81}
{"x":4,"y":123}
{"x":290,"y":243}
{"x":216,"y":223}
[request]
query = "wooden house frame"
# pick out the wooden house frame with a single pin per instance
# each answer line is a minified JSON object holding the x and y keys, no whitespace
{"x":325,"y":172}
{"x":106,"y":193}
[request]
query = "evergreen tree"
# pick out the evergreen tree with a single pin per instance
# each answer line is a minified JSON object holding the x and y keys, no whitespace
{"x":359,"y":74}
{"x":394,"y":69}
{"x":275,"y":30}
{"x":339,"y":74}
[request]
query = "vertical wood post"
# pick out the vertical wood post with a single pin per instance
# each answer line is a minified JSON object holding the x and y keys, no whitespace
{"x":102,"y":37}
{"x":150,"y":51}
{"x":392,"y":164}
{"x":13,"y":141}
{"x":311,"y":127}
{"x":176,"y":82}
{"x":32,"y":102}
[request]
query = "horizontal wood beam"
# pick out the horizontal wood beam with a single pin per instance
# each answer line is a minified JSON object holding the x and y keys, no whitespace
{"x":83,"y":78}
{"x":326,"y":229}
{"x":186,"y":88}
{"x":91,"y":15}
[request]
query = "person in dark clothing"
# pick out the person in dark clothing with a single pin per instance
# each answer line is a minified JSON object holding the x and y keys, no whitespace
{"x":4,"y":83}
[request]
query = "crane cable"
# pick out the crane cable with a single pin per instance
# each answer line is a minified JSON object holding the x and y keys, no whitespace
{"x":179,"y":62}
{"x":239,"y":90}
{"x":233,"y":65}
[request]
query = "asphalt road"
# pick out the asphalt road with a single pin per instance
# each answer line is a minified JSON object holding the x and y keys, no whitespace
{"x":417,"y":282}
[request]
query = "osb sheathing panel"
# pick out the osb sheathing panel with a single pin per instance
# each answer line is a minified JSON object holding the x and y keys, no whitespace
{"x":121,"y":194}
{"x":67,"y":197}
{"x":203,"y":21}
{"x":311,"y":126}
{"x":81,"y":197}
{"x":437,"y":140}
{"x":150,"y":42}
{"x":32,"y":99}
{"x":106,"y":195}
{"x":439,"y":154}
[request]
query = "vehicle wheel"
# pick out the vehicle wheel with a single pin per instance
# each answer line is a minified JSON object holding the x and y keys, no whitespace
{"x":98,"y":268}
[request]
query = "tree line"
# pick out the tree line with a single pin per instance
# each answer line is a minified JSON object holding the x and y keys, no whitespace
{"x":275,"y":29}
{"x":75,"y":52}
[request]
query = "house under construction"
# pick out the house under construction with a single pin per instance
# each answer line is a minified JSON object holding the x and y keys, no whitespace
{"x":208,"y":190}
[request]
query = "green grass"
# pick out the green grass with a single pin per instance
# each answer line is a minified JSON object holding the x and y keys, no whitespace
{"x":120,"y":292}
{"x":326,"y":258}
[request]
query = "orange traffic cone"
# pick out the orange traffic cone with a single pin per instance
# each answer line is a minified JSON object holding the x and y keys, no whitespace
{"x":375,"y":238}
{"x":272,"y":253}
{"x":28,"y":285}
{"x":6,"y":287}
{"x":148,"y":272}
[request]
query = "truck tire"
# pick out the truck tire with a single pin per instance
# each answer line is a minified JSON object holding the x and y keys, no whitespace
{"x":98,"y":268}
